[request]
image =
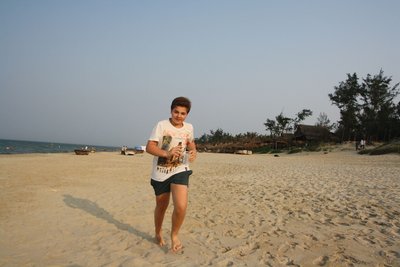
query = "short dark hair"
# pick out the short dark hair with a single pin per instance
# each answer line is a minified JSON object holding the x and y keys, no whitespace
{"x":181,"y":102}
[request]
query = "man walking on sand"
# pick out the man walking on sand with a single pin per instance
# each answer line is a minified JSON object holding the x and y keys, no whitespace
{"x":172,"y":144}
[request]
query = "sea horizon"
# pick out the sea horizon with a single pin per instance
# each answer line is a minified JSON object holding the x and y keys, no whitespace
{"x":10,"y":146}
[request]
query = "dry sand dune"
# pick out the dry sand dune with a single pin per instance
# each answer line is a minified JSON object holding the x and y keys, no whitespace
{"x":309,"y":209}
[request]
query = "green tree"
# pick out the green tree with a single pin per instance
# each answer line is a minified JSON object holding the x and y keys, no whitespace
{"x":283,"y":124}
{"x":301,"y":116}
{"x":367,"y":110}
{"x":324,"y":121}
{"x":271,"y":126}
{"x":203,"y":139}
{"x":346,"y":98}
{"x":378,"y":116}
{"x":219,"y":136}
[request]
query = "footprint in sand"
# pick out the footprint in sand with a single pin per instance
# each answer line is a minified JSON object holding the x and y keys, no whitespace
{"x":284,"y":260}
{"x":321,"y":261}
{"x":338,"y":236}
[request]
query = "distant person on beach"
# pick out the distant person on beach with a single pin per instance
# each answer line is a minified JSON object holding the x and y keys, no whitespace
{"x":362,"y":144}
{"x":172,"y":144}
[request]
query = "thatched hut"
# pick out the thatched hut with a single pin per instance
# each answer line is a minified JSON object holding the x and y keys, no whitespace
{"x":311,"y":133}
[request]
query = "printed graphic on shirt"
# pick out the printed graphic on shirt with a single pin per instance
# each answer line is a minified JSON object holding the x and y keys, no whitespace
{"x":165,"y":165}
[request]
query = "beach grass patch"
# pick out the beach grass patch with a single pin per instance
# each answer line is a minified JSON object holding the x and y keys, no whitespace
{"x":262,"y":150}
{"x":365,"y":151}
{"x":390,"y":148}
{"x":313,"y":148}
{"x":295,"y":150}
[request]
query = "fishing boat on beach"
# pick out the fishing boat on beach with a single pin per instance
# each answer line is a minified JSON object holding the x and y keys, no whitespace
{"x":127,"y":151}
{"x":132,"y":151}
{"x":82,"y":151}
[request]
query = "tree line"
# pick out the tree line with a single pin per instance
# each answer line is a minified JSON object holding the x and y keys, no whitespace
{"x":367,"y":110}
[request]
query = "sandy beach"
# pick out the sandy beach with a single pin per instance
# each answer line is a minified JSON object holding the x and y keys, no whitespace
{"x":307,"y":209}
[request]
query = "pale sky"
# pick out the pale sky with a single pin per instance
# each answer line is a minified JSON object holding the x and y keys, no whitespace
{"x":104,"y":72}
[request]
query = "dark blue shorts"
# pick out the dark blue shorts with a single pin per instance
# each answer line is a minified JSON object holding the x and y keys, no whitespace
{"x":165,"y":186}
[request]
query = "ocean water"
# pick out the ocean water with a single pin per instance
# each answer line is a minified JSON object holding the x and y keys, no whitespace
{"x":22,"y":147}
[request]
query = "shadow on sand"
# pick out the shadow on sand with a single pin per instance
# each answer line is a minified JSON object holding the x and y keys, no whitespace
{"x":93,"y":209}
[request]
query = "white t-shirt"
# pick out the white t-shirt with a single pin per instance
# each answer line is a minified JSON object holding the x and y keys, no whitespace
{"x":168,"y":136}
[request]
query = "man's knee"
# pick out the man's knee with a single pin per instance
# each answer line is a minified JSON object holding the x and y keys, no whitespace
{"x":180,"y":208}
{"x":162,"y":201}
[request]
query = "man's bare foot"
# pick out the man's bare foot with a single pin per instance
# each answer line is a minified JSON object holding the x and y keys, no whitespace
{"x":176,"y":244}
{"x":159,"y":240}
